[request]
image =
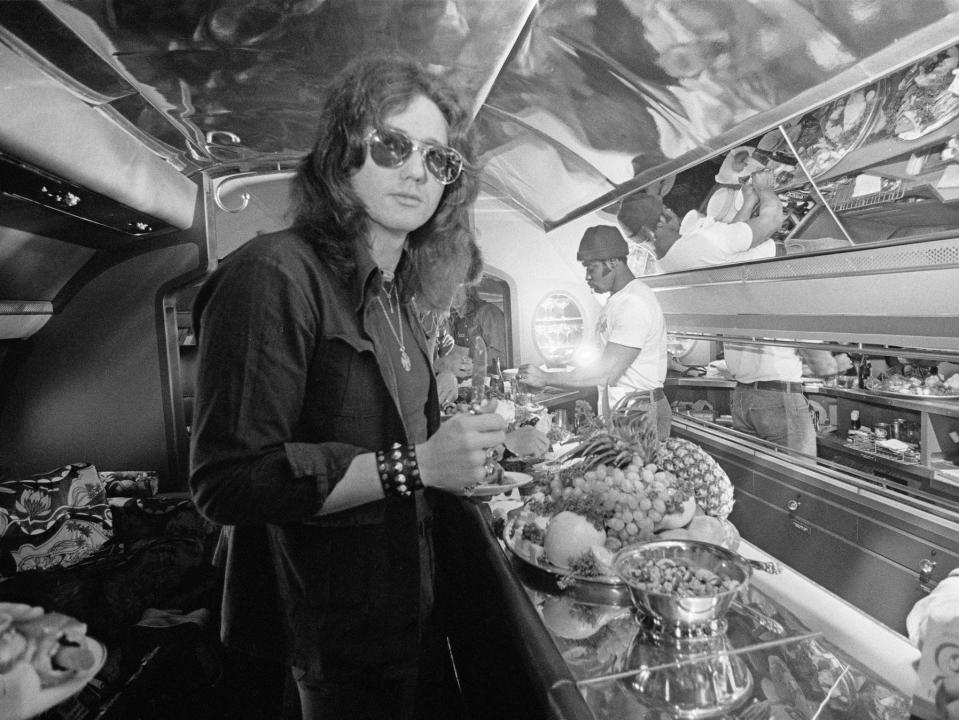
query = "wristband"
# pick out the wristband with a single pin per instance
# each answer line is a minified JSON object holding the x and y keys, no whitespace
{"x":398,"y":470}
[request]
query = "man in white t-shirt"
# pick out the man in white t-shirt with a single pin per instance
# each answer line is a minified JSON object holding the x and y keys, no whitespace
{"x":631,"y":330}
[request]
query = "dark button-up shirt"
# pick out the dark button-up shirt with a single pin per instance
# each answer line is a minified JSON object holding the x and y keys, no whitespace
{"x":294,"y":381}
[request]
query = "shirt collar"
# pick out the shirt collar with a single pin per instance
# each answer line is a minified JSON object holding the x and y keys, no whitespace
{"x":368,"y":276}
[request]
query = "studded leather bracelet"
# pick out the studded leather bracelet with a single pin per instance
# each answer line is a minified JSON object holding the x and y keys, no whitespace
{"x":398,"y":470}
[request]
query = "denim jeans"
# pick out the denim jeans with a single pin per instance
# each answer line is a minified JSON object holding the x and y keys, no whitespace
{"x":779,"y":417}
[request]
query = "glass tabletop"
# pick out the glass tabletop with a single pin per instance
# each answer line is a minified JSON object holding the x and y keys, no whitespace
{"x":760,"y":662}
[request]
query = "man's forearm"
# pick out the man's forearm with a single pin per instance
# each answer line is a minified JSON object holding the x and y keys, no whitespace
{"x":768,"y":220}
{"x":821,"y":363}
{"x":576,"y":378}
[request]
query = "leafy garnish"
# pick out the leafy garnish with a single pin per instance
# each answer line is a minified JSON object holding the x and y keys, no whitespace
{"x":585,"y":565}
{"x":589,"y":506}
{"x":533,"y":533}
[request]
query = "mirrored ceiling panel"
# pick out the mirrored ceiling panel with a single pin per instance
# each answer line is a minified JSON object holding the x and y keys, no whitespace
{"x":600,"y":96}
{"x":241,"y":80}
{"x":651,"y":87}
{"x":878,"y":165}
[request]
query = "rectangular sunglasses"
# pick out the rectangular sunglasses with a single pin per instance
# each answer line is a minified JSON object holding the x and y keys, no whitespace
{"x":390,"y":148}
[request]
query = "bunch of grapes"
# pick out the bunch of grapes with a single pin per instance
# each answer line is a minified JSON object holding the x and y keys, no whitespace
{"x":632,"y":500}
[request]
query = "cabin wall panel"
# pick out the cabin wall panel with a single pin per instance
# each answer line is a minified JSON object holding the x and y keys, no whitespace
{"x":93,"y":385}
{"x":535,"y":264}
{"x":248,"y":206}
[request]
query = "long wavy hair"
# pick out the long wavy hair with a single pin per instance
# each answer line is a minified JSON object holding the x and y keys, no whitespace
{"x":447,"y":265}
{"x":361,"y":96}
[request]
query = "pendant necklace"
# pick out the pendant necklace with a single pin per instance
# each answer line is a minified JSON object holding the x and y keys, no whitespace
{"x":404,"y":357}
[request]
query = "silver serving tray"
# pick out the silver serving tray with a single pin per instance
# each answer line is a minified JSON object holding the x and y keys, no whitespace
{"x":558,"y":572}
{"x":913,"y":396}
{"x":607,"y":581}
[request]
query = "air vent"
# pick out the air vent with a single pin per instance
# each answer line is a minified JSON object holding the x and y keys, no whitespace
{"x":27,"y":182}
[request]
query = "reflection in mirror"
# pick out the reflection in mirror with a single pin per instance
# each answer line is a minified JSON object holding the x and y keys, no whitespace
{"x":877,"y":165}
{"x":885,"y":411}
{"x":746,"y":205}
{"x":489,"y":309}
{"x":883,"y":157}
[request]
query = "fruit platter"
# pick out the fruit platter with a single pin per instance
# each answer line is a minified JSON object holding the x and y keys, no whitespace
{"x":619,"y":487}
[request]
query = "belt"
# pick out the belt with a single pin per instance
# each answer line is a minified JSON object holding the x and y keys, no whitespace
{"x":650,"y":395}
{"x":789,"y":387}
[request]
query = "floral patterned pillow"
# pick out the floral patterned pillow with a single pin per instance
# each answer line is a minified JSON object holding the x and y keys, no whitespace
{"x":55,"y":519}
{"x":130,"y":483}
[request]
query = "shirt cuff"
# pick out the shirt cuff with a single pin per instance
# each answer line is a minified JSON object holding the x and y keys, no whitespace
{"x":325,"y":462}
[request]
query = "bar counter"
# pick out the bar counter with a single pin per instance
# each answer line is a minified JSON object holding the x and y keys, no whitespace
{"x":791,"y":650}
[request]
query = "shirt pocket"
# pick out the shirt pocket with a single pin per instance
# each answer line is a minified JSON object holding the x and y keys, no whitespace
{"x":347,"y":392}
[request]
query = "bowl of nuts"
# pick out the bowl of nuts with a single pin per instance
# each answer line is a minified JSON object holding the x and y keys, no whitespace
{"x":682,"y":582}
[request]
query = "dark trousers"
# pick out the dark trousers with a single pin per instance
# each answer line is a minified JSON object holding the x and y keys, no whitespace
{"x":427,"y":692}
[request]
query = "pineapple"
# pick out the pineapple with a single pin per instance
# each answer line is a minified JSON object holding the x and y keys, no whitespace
{"x":700,"y":475}
{"x":620,"y":464}
{"x":626,"y":436}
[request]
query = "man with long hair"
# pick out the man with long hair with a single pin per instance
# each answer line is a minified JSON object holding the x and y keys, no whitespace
{"x":317,"y":440}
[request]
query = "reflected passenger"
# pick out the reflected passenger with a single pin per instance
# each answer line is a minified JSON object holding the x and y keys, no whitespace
{"x":699,"y":240}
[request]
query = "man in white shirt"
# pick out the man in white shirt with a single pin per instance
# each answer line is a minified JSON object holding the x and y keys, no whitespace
{"x":631,"y":330}
{"x":768,"y":399}
{"x":700,"y":240}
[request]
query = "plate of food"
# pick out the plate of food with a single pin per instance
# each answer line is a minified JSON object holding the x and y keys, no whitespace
{"x":933,"y":387}
{"x":833,"y":131}
{"x":45,"y":658}
{"x":927,"y":97}
{"x":509,"y":480}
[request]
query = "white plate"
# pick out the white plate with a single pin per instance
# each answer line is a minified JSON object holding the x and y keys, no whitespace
{"x":511,"y":480}
{"x":20,"y":700}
